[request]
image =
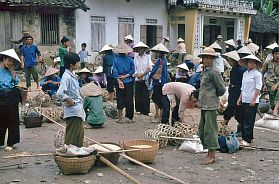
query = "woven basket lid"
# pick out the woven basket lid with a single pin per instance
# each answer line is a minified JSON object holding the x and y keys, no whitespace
{"x":233,"y":55}
{"x":91,"y":89}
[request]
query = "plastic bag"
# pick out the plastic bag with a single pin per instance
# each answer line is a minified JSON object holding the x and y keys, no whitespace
{"x":194,"y":146}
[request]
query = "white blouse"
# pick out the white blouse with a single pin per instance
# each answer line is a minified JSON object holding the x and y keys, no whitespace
{"x":252,"y":80}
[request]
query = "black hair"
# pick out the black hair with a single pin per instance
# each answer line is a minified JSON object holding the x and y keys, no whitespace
{"x":28,"y":36}
{"x":195,"y":94}
{"x":64,"y":39}
{"x":239,"y":42}
{"x":276,"y":49}
{"x":83,"y":45}
{"x":70,"y":58}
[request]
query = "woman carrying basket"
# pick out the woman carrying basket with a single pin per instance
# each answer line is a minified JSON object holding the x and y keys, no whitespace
{"x":9,"y":98}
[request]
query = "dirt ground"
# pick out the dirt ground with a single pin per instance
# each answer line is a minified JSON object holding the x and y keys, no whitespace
{"x":246,"y":166}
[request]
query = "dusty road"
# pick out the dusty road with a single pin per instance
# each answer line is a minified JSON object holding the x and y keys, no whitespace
{"x":245,"y":166}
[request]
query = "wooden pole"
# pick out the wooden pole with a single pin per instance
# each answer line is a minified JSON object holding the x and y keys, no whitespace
{"x":123,"y":155}
{"x":111,"y":165}
{"x":180,"y":138}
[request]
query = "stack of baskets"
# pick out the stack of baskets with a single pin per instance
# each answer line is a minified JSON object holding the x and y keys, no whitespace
{"x":147,"y":150}
{"x":32,"y":119}
{"x":75,"y":165}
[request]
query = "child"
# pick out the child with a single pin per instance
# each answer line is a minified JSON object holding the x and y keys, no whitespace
{"x":83,"y":56}
{"x":249,"y":97}
{"x":69,"y":92}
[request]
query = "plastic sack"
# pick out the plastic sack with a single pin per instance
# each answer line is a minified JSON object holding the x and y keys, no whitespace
{"x":194,"y":146}
{"x":228,"y":144}
{"x":268,"y":122}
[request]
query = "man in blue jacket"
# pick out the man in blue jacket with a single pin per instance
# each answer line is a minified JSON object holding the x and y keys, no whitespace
{"x":30,"y":57}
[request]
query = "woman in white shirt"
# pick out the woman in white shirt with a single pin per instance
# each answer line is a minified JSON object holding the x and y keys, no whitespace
{"x":249,"y":97}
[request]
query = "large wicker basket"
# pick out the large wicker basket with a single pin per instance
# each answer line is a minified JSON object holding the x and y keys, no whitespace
{"x":75,"y":165}
{"x":145,"y":155}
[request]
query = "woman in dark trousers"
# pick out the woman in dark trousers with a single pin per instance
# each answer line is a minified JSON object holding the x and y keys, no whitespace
{"x":249,"y":97}
{"x":9,"y":99}
{"x":236,"y":75}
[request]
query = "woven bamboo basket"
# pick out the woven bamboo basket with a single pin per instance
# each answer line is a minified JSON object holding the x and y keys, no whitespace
{"x":145,"y":155}
{"x":112,"y":157}
{"x":75,"y":165}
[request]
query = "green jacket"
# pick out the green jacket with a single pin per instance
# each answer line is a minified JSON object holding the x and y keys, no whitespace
{"x":93,"y":106}
{"x":212,"y":87}
{"x":62,"y":50}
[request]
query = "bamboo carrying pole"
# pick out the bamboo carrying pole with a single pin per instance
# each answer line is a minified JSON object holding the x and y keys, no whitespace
{"x":111,"y":165}
{"x":123,"y":155}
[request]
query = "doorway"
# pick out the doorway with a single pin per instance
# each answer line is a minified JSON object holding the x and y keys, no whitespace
{"x":151,"y":35}
{"x":210,"y":33}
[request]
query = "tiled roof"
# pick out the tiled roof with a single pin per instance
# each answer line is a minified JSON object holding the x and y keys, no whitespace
{"x":76,"y":4}
{"x":261,"y":23}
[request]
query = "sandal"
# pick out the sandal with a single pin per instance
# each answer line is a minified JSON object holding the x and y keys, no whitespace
{"x":8,"y":148}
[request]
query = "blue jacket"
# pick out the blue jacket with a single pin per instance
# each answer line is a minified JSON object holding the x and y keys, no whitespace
{"x":30,"y":55}
{"x":107,"y":63}
{"x":164,"y":77}
{"x":123,"y":65}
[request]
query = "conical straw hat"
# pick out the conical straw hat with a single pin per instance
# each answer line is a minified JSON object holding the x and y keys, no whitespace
{"x":167,"y":38}
{"x":253,"y":47}
{"x":253,"y":57}
{"x":272,"y":46}
{"x":215,"y":46}
{"x":122,"y":48}
{"x":160,"y":47}
{"x":230,"y":42}
{"x":99,"y":70}
{"x":180,"y":40}
{"x":233,"y":55}
{"x":50,"y":71}
{"x":106,"y":48}
{"x":207,"y":51}
{"x":183,"y":66}
{"x":188,"y":57}
{"x":244,"y":50}
{"x":219,"y":37}
{"x":11,"y":53}
{"x":91,"y":89}
{"x":84,"y":70}
{"x":141,"y":44}
{"x":129,"y":37}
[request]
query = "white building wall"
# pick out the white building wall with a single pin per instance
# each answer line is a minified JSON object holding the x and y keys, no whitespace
{"x":140,"y":10}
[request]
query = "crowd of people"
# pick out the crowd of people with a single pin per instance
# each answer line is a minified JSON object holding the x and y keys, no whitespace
{"x":131,"y":71}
